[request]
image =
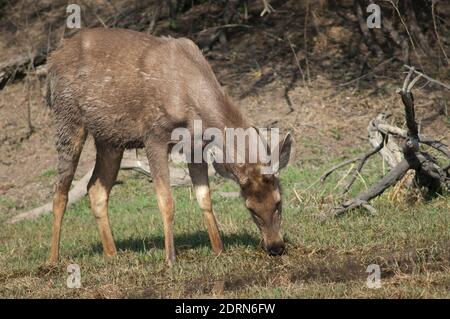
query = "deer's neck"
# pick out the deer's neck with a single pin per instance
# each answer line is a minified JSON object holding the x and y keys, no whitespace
{"x":225,"y":114}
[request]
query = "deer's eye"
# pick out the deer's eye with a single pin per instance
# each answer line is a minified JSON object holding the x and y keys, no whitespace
{"x":278,"y":207}
{"x":267,"y":179}
{"x":255,"y":217}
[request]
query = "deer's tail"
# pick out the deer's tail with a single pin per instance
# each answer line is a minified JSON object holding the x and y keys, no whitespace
{"x":50,"y":91}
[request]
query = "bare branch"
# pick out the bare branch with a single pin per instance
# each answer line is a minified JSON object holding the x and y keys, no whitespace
{"x":305,"y":84}
{"x":428,"y":77}
{"x":438,"y":145}
{"x":336,"y":167}
{"x":408,"y":101}
{"x":433,"y":14}
{"x":267,"y":8}
{"x":155,"y":17}
{"x":428,"y":174}
{"x":363,"y":160}
{"x":363,"y":198}
{"x":20,"y":65}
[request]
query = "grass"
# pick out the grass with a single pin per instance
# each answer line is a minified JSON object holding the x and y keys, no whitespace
{"x":6,"y":203}
{"x":410,"y":242}
{"x":49,"y":173}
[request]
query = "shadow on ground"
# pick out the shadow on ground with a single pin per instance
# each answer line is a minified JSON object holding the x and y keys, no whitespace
{"x":182,"y":242}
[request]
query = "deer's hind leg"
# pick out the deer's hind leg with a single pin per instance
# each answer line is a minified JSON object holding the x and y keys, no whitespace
{"x":105,"y":172}
{"x":70,"y":139}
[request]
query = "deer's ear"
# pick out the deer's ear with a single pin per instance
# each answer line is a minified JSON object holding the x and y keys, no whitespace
{"x":217,"y":161}
{"x":284,"y":154}
{"x":222,"y":171}
{"x":262,"y":140}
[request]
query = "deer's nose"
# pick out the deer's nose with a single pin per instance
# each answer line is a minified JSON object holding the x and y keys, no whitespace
{"x":275,"y":249}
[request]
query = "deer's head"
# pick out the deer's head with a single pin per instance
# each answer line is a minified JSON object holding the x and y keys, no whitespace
{"x":262,"y":193}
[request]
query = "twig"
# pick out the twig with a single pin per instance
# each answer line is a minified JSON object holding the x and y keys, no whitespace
{"x":225,"y":26}
{"x":30,"y":124}
{"x":155,"y":17}
{"x":407,"y":100}
{"x":433,"y":3}
{"x":344,"y":176}
{"x":336,"y":167}
{"x":297,"y":62}
{"x":361,"y":158}
{"x":364,"y":75}
{"x":362,"y":161}
{"x":428,"y":77}
{"x":28,"y":82}
{"x":230,"y":11}
{"x":19,"y":65}
{"x":94,"y":12}
{"x":363,"y":198}
{"x":407,"y":31}
{"x":415,"y":28}
{"x":267,"y":8}
{"x":305,"y":40}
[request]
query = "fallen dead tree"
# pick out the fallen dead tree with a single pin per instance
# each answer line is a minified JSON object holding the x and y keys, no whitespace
{"x":178,"y":176}
{"x":18,"y":66}
{"x":426,"y":175}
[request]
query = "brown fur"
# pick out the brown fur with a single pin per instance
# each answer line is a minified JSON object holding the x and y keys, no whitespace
{"x":130,"y":90}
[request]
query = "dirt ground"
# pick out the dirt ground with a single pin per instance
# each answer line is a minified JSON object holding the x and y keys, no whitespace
{"x":323,"y":104}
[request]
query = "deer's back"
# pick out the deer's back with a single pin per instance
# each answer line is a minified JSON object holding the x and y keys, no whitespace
{"x":123,"y":85}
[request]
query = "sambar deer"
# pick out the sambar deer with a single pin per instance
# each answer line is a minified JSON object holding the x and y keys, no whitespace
{"x":131,"y":90}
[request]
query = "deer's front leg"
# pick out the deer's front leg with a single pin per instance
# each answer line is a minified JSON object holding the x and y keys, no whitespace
{"x":199,"y":177}
{"x":159,"y":169}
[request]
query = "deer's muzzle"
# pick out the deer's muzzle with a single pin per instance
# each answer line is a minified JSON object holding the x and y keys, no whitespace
{"x":275,"y":249}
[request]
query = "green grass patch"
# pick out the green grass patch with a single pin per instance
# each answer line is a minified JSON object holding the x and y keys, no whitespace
{"x":409,"y":240}
{"x":49,"y":173}
{"x":6,"y":203}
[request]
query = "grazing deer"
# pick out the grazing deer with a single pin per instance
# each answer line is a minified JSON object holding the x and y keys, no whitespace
{"x":131,"y":90}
